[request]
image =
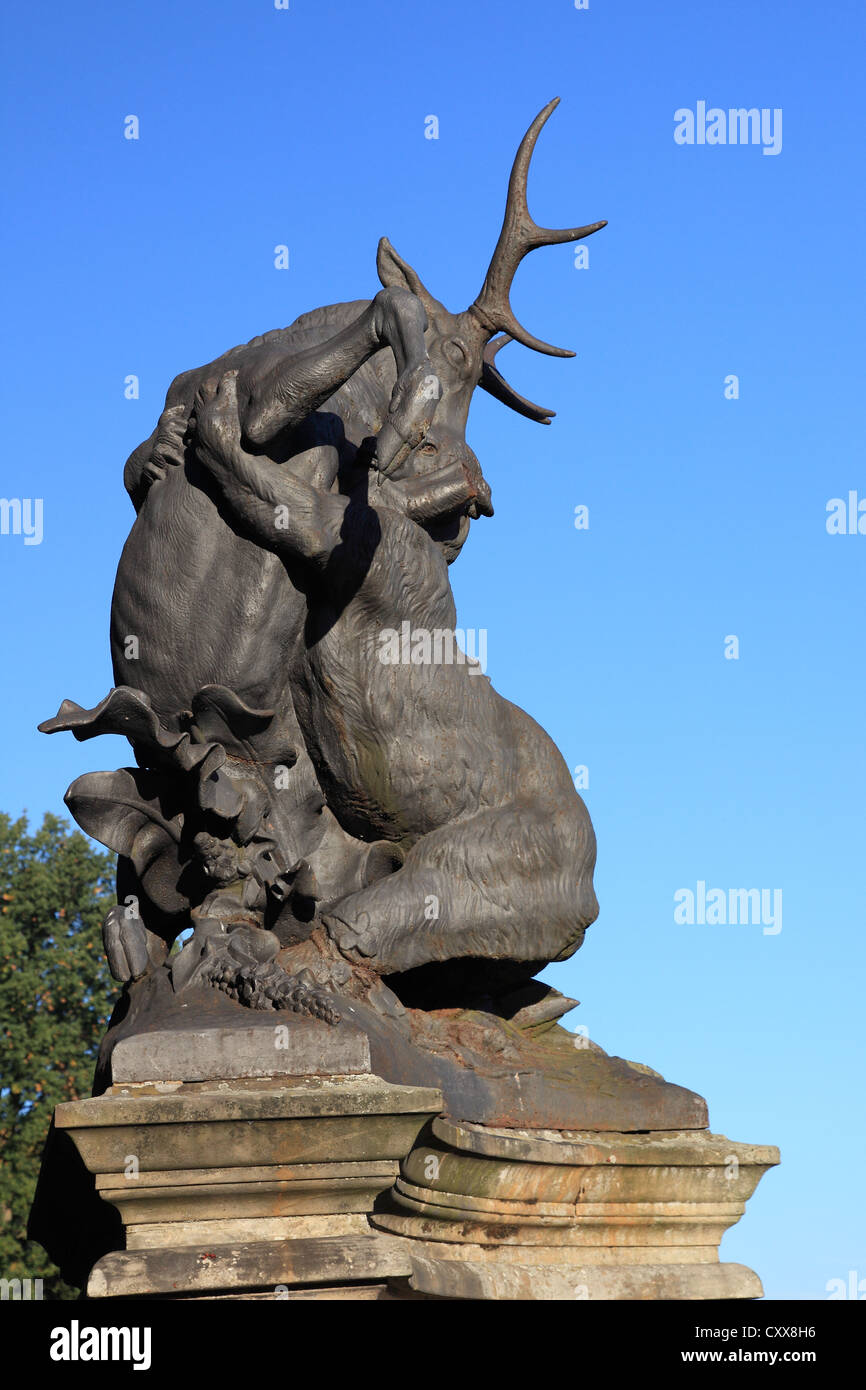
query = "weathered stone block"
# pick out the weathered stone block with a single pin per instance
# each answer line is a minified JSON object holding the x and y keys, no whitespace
{"x":560,"y":1214}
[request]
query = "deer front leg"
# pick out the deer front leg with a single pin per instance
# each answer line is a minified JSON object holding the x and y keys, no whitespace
{"x":280,"y":391}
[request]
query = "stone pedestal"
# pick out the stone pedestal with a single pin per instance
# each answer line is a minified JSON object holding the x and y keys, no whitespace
{"x":545,"y":1214}
{"x":229,"y":1163}
{"x":248,"y":1187}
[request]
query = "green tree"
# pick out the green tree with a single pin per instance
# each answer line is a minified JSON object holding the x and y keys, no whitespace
{"x":55,"y":998}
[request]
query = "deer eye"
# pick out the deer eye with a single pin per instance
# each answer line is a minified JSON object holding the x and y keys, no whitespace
{"x":455,"y":351}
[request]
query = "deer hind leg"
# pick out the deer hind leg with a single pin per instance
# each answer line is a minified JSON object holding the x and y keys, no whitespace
{"x":507,"y":884}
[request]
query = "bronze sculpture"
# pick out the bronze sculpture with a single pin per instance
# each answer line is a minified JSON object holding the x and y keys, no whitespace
{"x":334,"y":827}
{"x":336,"y":817}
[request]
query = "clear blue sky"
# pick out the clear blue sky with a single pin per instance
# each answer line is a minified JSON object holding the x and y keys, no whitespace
{"x":707,"y":516}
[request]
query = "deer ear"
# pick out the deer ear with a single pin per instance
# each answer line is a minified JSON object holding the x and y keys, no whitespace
{"x":395,"y":272}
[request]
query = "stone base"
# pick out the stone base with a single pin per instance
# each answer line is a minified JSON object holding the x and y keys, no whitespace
{"x":507,"y":1214}
{"x":366,"y":1266}
{"x":297,"y":1185}
{"x":467,"y":1279}
{"x":235,"y":1187}
{"x":305,"y":1047}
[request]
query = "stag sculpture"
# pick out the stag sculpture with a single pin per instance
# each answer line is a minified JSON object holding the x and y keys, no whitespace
{"x":297,"y":801}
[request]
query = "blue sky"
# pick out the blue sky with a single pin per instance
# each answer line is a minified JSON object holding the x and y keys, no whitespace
{"x":707,"y":515}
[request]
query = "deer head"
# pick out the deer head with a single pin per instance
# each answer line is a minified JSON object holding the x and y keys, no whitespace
{"x":462,"y":346}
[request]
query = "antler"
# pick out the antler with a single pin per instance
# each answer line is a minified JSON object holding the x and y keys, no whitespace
{"x":519,"y":236}
{"x":494,"y":383}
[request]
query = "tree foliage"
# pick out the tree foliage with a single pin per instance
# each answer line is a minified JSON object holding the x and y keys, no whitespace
{"x":55,"y":998}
